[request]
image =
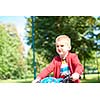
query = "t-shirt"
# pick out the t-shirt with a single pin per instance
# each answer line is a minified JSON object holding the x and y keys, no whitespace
{"x":64,"y":70}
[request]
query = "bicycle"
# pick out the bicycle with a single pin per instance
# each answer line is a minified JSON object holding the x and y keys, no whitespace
{"x":66,"y":79}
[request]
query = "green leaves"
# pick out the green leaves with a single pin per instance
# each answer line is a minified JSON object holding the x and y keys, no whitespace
{"x":78,"y":28}
{"x":10,"y":56}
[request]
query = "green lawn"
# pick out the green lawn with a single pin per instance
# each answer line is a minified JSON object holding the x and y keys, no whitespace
{"x":90,"y":78}
{"x":17,"y":81}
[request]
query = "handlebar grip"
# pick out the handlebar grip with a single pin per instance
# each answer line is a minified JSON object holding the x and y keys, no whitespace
{"x":38,"y":82}
{"x":79,"y":77}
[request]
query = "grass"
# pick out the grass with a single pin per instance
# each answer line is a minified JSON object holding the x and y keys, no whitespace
{"x":90,"y":81}
{"x":89,"y":78}
{"x":29,"y":80}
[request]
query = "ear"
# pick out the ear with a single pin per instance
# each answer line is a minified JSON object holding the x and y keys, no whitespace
{"x":69,"y":48}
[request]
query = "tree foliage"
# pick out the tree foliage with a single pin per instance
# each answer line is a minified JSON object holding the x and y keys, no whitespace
{"x":11,"y":62}
{"x":79,"y":28}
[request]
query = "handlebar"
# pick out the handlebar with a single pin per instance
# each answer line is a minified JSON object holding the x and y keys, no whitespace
{"x":66,"y":79}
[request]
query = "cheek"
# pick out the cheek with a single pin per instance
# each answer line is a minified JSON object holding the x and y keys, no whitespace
{"x":57,"y":49}
{"x":65,"y":50}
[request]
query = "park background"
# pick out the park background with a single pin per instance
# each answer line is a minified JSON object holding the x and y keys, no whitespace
{"x":19,"y":65}
{"x":49,"y":8}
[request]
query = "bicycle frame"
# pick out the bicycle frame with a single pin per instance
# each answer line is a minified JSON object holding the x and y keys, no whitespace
{"x":67,"y":79}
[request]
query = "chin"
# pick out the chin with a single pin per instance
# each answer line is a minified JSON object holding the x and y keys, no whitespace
{"x":61,"y":55}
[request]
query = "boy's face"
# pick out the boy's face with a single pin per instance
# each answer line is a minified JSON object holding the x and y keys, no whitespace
{"x":62,"y":47}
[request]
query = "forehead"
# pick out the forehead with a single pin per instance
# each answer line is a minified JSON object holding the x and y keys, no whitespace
{"x":61,"y":42}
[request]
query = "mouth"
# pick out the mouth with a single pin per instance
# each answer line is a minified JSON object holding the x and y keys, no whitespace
{"x":59,"y":51}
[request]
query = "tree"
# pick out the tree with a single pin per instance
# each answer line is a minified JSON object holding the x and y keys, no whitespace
{"x":49,"y":27}
{"x":11,"y":62}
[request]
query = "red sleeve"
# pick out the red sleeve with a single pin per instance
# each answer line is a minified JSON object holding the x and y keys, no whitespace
{"x":78,"y":67}
{"x":46,"y":71}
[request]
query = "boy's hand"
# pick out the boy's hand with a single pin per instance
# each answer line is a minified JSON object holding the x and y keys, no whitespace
{"x":36,"y":80}
{"x":75,"y":76}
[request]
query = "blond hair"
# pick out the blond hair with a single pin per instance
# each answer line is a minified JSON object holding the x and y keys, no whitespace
{"x":64,"y":38}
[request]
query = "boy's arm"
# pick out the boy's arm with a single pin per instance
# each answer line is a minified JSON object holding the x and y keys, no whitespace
{"x":78,"y":68}
{"x":46,"y":71}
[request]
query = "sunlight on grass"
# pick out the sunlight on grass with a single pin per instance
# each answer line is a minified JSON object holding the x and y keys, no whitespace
{"x":89,"y":78}
{"x":17,"y":81}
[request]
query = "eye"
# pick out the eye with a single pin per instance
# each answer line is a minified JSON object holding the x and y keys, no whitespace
{"x":62,"y":45}
{"x":57,"y":45}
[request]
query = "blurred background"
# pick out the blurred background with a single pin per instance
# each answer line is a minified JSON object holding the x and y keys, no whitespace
{"x":27,"y":44}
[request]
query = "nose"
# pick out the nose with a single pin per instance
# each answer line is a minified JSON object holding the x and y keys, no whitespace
{"x":59,"y":49}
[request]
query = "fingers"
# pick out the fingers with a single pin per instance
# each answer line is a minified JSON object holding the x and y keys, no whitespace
{"x":36,"y":80}
{"x":75,"y":76}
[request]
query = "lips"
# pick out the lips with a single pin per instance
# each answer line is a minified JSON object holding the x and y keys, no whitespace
{"x":59,"y":50}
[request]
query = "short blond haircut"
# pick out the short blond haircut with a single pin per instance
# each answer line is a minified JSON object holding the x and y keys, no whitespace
{"x":64,"y":38}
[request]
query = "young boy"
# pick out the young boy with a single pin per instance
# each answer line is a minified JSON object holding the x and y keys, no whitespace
{"x":65,"y":63}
